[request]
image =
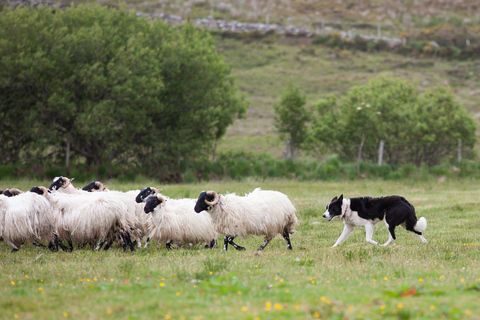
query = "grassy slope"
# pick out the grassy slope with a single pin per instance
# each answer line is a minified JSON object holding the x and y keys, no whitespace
{"x":356,"y":280}
{"x":262,"y":70}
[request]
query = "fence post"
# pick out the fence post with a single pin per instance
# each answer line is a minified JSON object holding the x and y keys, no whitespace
{"x":380,"y":153}
{"x":459,"y":156}
{"x":67,"y":153}
{"x":288,"y":150}
{"x":379,"y":32}
{"x":360,"y":152}
{"x":267,"y":20}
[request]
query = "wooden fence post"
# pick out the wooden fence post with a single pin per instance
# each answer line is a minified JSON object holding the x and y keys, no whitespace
{"x":459,"y":155}
{"x":288,"y":150}
{"x":380,"y":153}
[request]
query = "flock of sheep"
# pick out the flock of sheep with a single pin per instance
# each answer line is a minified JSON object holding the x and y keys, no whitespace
{"x":63,"y":215}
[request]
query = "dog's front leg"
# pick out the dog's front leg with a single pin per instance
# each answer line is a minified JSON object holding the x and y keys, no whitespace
{"x":369,"y":230}
{"x":346,"y":232}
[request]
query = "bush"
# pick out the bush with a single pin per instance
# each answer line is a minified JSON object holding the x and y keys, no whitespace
{"x":7,"y":171}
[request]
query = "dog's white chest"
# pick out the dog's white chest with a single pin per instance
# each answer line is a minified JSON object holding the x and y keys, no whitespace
{"x":353,"y":218}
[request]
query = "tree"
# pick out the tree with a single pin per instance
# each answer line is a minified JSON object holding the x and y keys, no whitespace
{"x":291,"y":118}
{"x":416,"y":128}
{"x":110,"y":87}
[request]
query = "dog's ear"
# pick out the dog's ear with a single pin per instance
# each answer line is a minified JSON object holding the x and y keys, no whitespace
{"x":341,"y":198}
{"x":334,"y":199}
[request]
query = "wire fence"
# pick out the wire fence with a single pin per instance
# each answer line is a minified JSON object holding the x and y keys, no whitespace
{"x":402,"y":153}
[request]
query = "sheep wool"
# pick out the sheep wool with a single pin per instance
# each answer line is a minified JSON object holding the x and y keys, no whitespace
{"x":175,"y":220}
{"x":26,"y":218}
{"x":261,"y":212}
{"x":88,"y":218}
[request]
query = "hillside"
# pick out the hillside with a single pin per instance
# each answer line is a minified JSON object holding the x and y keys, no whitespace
{"x":263,"y":68}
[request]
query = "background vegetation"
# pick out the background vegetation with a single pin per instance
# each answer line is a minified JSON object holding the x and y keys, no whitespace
{"x":98,"y":84}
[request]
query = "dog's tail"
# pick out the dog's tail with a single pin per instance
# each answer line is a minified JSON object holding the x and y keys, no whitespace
{"x":421,"y":225}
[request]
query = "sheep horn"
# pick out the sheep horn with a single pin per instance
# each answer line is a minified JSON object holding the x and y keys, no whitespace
{"x":14,"y":191}
{"x":67,"y":182}
{"x":216,"y":197}
{"x":45,"y":190}
{"x":162,"y":200}
{"x":100,"y":185}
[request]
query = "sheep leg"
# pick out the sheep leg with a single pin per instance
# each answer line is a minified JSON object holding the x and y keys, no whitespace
{"x":122,"y":241}
{"x":211,"y":244}
{"x":62,"y":246}
{"x":286,"y":236}
{"x":54,"y":247}
{"x":169,"y":245}
{"x":100,"y":243}
{"x":70,"y":245}
{"x":236,"y":246}
{"x":108,"y":245}
{"x":129,"y":241}
{"x":146,"y":243}
{"x":264,"y":244}
{"x":225,"y":244}
{"x":38,"y":244}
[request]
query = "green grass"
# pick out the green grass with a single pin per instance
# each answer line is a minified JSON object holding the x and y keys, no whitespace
{"x":353,"y":281}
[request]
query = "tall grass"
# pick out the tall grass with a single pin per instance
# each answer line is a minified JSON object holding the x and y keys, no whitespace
{"x":407,"y":280}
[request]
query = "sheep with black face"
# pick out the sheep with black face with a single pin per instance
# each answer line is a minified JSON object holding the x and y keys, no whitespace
{"x":262,"y":212}
{"x":135,"y":199}
{"x":175,"y":220}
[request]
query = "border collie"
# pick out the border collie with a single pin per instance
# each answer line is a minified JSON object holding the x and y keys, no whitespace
{"x":367,"y":212}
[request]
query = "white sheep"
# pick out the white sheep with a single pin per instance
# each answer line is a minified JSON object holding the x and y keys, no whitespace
{"x":175,"y":220}
{"x":11,"y":192}
{"x":64,"y":185}
{"x":134,"y":199}
{"x":25,"y":218}
{"x":262,"y":212}
{"x":89,"y":218}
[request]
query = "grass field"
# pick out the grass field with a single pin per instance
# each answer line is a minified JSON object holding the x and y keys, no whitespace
{"x":354,"y":281}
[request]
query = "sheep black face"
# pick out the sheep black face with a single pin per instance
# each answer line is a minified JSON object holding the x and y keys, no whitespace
{"x":144,"y":193}
{"x":36,"y":190}
{"x":152,"y":203}
{"x":7,"y":193}
{"x":57,"y":183}
{"x":94,"y":185}
{"x":206,"y":200}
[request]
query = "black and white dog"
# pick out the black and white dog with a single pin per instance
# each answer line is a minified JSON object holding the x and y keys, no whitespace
{"x":366,"y":212}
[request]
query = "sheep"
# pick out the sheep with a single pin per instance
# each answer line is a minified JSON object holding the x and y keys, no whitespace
{"x":87,"y":218}
{"x":25,"y":218}
{"x":174,"y":220}
{"x":64,"y":185}
{"x":137,"y":205}
{"x":11,"y":192}
{"x":262,"y":212}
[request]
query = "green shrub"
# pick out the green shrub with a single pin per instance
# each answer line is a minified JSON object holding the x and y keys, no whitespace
{"x":189,"y":176}
{"x":54,"y":172}
{"x":7,"y":171}
{"x":128,"y":177}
